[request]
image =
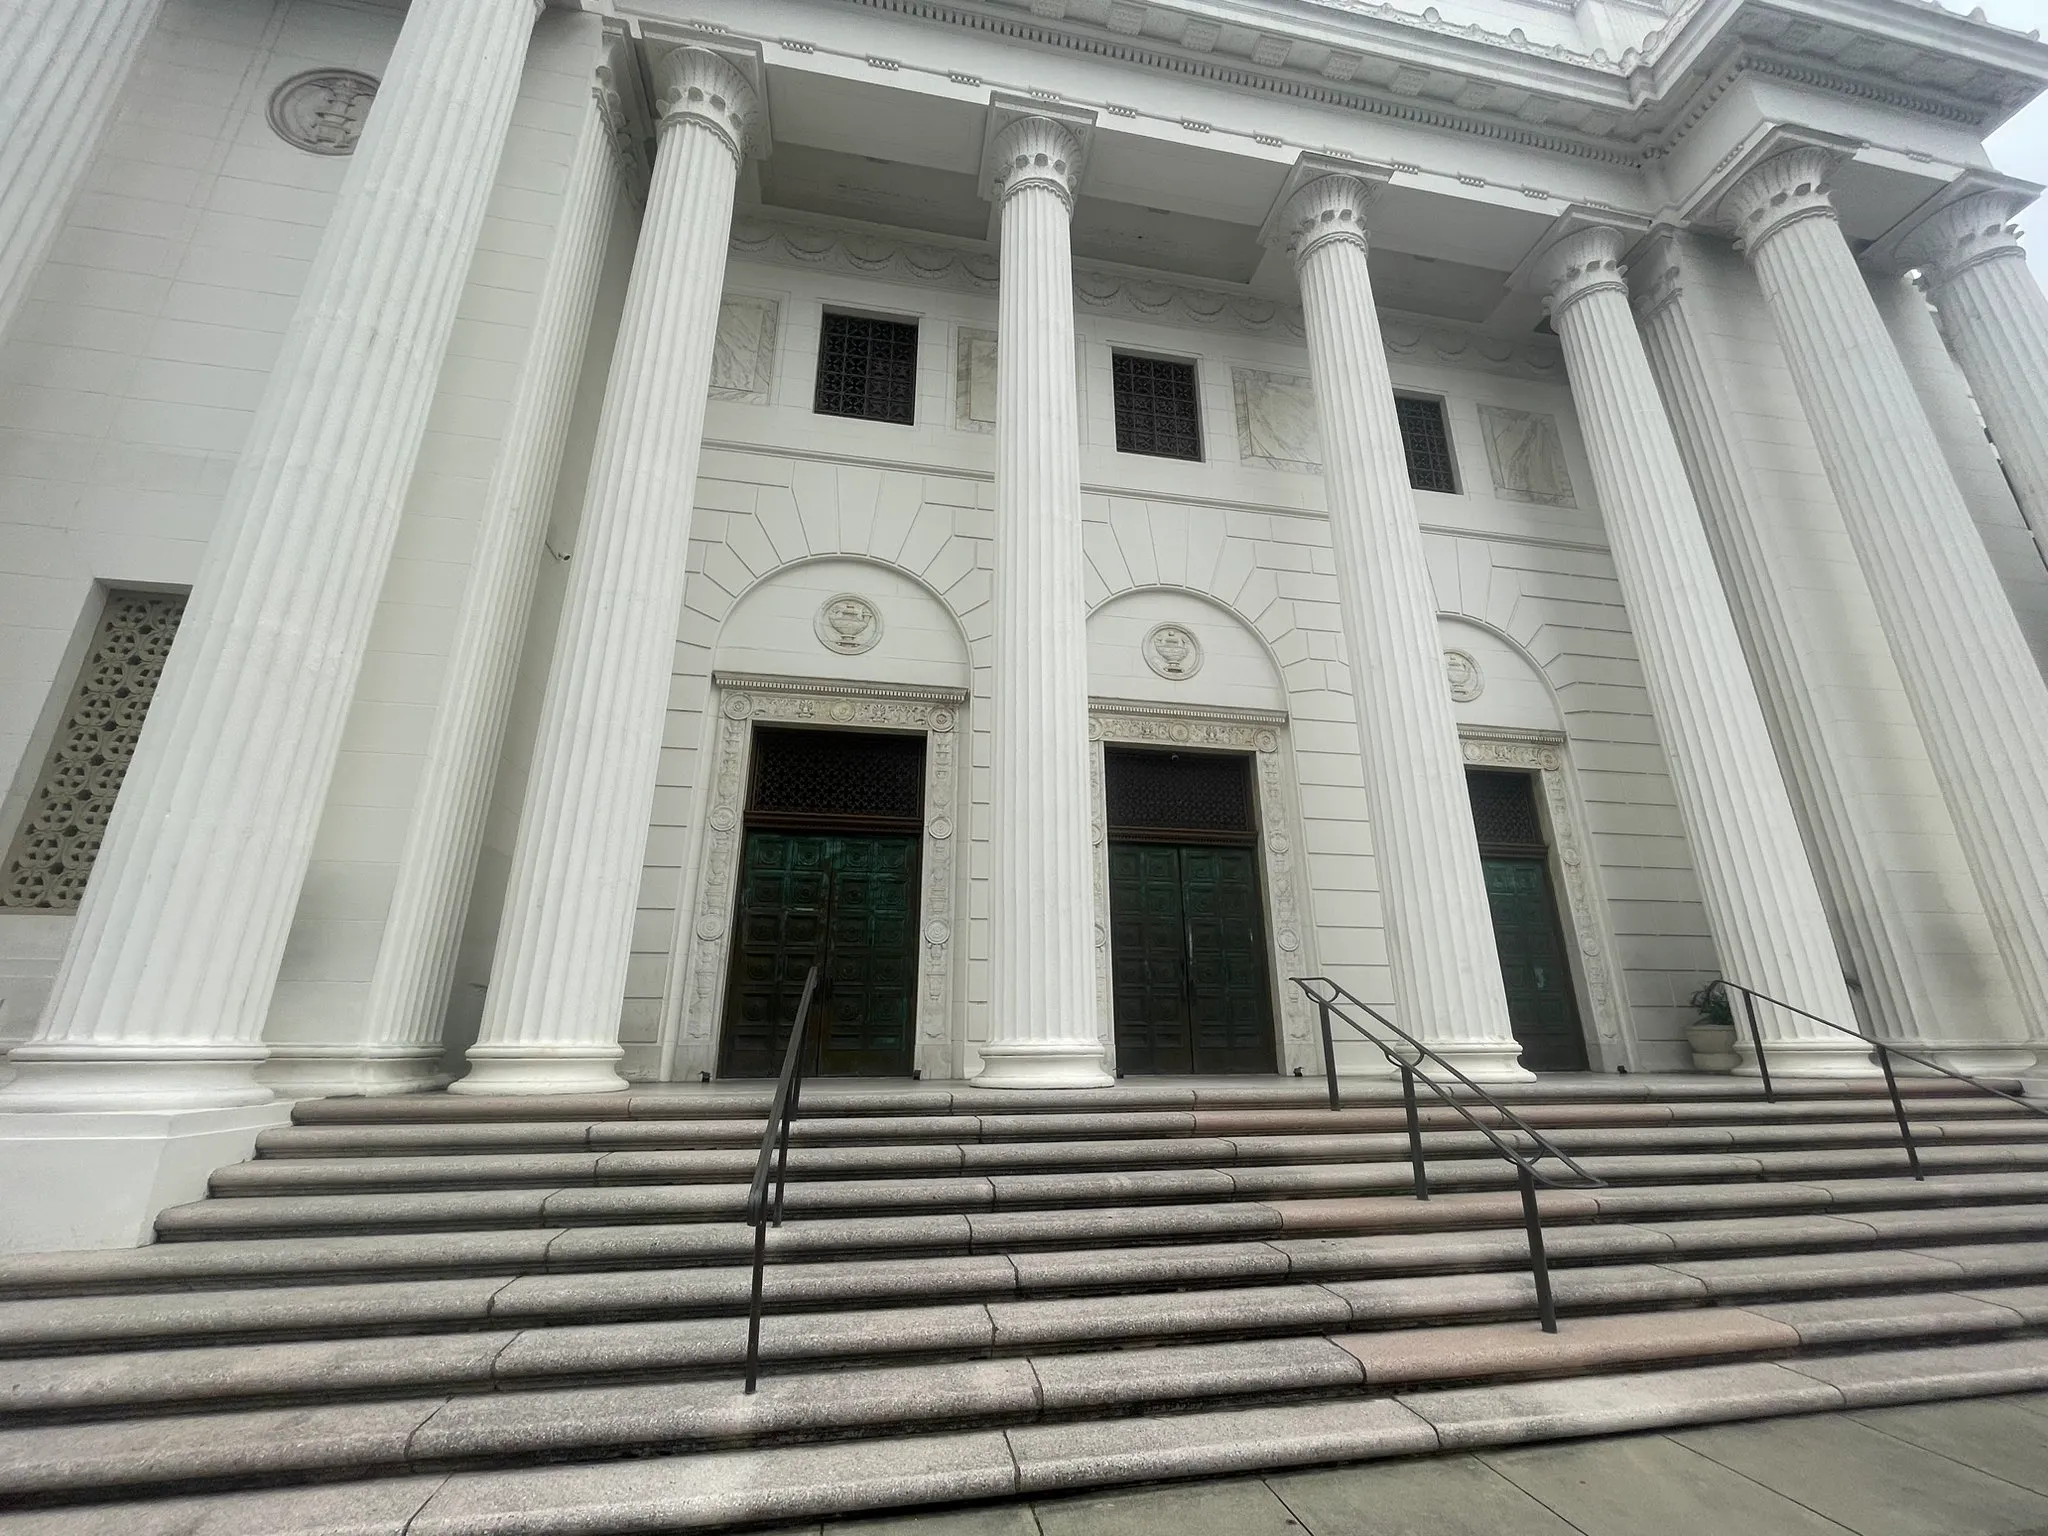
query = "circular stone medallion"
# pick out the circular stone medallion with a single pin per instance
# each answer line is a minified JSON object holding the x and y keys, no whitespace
{"x":1173,"y":652}
{"x":322,"y":111}
{"x":848,"y":624}
{"x":1461,"y":670}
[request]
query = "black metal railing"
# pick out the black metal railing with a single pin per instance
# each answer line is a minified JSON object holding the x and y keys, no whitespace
{"x":763,"y":1213}
{"x":1884,"y":1051}
{"x":1334,"y":1004}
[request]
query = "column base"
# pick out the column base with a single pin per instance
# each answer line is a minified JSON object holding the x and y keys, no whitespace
{"x":98,"y":1180}
{"x":68,"y":1076}
{"x":528,"y":1069}
{"x":1484,"y":1061}
{"x":1837,"y":1058}
{"x":352,"y":1071}
{"x":1989,"y":1058}
{"x":1042,"y":1064}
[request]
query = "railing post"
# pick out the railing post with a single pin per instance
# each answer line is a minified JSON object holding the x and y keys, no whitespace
{"x":1329,"y":1051}
{"x":1414,"y":1133}
{"x":1539,"y":1264}
{"x":796,"y":1088}
{"x":1756,"y":1039}
{"x":1891,"y":1082}
{"x":754,"y":1307}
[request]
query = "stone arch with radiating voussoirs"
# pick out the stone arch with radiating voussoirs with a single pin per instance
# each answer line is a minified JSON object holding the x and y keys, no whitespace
{"x":1547,"y":754}
{"x":1269,"y":639}
{"x":700,"y":943}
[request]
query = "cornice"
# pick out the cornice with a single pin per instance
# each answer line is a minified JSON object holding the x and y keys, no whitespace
{"x":1380,"y":59}
{"x":963,"y":266}
{"x":751,"y":682}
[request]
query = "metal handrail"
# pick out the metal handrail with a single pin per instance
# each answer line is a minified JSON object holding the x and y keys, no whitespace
{"x":761,"y":1213}
{"x":1331,"y":1004}
{"x":1885,"y":1052}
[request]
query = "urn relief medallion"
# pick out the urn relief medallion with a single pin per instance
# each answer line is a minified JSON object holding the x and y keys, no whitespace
{"x":322,"y":111}
{"x":1173,"y":652}
{"x":848,"y":624}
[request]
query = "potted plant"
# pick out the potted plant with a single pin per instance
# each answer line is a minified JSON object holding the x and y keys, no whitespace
{"x":1711,"y":1034}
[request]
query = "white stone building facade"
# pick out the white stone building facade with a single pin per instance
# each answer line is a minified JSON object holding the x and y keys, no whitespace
{"x":467,"y":363}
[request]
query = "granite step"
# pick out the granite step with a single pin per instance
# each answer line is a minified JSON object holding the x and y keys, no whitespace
{"x":220,"y":1262}
{"x":40,"y":1326}
{"x":1327,"y":1294}
{"x":1166,"y":1412}
{"x":468,"y":1170}
{"x":589,"y":1204}
{"x":378,"y":1138}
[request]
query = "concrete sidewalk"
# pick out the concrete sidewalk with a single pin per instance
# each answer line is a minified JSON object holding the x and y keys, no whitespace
{"x":1977,"y":1467}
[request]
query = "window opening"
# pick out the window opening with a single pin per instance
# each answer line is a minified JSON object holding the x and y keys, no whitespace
{"x":1157,"y":412}
{"x":1426,"y":440}
{"x":868,"y":369}
{"x":814,"y":777}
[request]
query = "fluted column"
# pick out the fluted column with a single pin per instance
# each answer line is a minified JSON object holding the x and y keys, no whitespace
{"x":1439,"y":927}
{"x":1995,"y":315}
{"x":1042,"y":1023}
{"x":1762,"y":902}
{"x":551,"y":1014}
{"x":62,"y":65}
{"x":408,"y":993}
{"x":1982,"y":706}
{"x":162,"y":994}
{"x":1881,"y":930}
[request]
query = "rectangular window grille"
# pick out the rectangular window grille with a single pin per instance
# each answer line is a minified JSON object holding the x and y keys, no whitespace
{"x":53,"y":852}
{"x":868,"y":369}
{"x":811,"y":777}
{"x":1185,"y":793}
{"x":1156,"y":408}
{"x":1504,"y":810}
{"x":1426,"y":438}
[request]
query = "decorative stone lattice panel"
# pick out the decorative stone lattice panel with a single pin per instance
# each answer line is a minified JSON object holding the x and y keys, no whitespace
{"x":775,"y":701}
{"x":1544,"y":756}
{"x":53,"y":853}
{"x":1287,"y":924}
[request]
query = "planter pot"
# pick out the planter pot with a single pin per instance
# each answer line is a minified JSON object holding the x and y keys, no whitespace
{"x":1713,"y":1046}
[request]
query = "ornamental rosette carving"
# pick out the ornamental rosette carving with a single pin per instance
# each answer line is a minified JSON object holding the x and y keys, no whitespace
{"x":1037,"y":152}
{"x":1330,"y":208}
{"x":1581,"y":265}
{"x":1785,"y":190}
{"x":695,"y":85}
{"x":1970,"y":230}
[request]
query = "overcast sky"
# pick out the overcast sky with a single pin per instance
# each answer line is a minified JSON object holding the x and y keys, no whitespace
{"x":2021,"y":147}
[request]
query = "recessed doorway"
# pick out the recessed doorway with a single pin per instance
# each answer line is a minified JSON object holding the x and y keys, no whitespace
{"x":828,"y":875}
{"x":1189,"y":985}
{"x":1534,"y":965}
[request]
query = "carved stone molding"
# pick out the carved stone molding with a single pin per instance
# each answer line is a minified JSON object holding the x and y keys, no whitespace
{"x":1544,"y":755}
{"x":1289,"y":930}
{"x":322,"y":110}
{"x":706,"y":946}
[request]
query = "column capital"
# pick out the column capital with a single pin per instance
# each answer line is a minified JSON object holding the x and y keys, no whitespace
{"x":696,"y":86}
{"x":614,"y":87}
{"x":1037,"y":151}
{"x":1781,"y":191}
{"x":1332,"y":207}
{"x":1580,"y":265}
{"x":1657,"y":276}
{"x":1972,"y":229}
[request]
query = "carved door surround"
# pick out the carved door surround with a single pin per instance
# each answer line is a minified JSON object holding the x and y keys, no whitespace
{"x":1263,"y":735}
{"x":1590,"y":943}
{"x":704,"y":938}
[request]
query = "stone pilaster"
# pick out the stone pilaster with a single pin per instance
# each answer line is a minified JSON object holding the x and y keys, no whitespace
{"x":1995,"y":315}
{"x":551,"y":1015}
{"x":1439,"y":927}
{"x":1759,"y":891}
{"x":1880,"y":930}
{"x":408,"y":992}
{"x":1042,"y":1026}
{"x":1981,"y":704}
{"x":162,"y":994}
{"x":65,"y":63}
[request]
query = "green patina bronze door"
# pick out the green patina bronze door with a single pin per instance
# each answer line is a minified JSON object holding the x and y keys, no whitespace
{"x":1187,"y":943}
{"x":829,"y":874}
{"x":1533,"y":963}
